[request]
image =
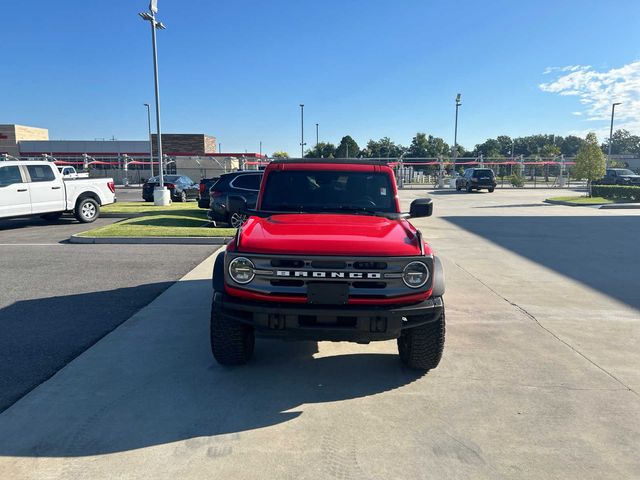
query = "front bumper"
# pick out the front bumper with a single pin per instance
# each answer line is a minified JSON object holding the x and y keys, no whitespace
{"x":334,"y":323}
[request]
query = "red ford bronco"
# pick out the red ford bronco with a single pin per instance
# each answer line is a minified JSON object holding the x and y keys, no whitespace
{"x":328,"y":255}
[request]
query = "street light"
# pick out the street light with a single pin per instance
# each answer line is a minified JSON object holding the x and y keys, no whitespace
{"x":455,"y":135}
{"x":613,"y":111}
{"x":161,"y":195}
{"x":302,"y":144}
{"x":150,"y":138}
{"x":317,"y":125}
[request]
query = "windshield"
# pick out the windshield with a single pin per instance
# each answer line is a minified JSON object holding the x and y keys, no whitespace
{"x":486,"y":172}
{"x":167,"y":178}
{"x":328,"y":191}
{"x":624,"y":171}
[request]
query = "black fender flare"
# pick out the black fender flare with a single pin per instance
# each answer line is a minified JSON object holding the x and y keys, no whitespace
{"x":218,"y":273}
{"x":438,"y":278}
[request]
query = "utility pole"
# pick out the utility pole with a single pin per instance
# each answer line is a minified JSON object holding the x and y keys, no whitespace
{"x":302,"y":144}
{"x":613,"y":111}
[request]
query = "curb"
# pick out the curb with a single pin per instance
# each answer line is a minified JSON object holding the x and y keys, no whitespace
{"x":570,"y":204}
{"x":621,"y":206}
{"x":151,"y":240}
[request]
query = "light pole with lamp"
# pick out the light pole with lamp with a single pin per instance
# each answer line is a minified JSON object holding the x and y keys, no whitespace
{"x":150,"y":137}
{"x":161,"y":196}
{"x":317,"y":136}
{"x":302,"y":144}
{"x":613,"y":111}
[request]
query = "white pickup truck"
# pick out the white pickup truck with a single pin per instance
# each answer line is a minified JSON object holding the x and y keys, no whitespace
{"x":32,"y":188}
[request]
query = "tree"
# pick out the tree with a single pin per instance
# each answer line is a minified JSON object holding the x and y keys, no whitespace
{"x":280,"y":155}
{"x":321,"y":150}
{"x":590,"y":161}
{"x":570,"y":145}
{"x":423,"y":146}
{"x":348,"y":148}
{"x":383,"y":148}
{"x":623,"y":143}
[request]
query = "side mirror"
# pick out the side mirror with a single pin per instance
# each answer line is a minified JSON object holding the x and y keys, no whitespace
{"x":421,"y":207}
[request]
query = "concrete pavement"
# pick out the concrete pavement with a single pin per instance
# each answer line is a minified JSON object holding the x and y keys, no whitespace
{"x":539,"y":378}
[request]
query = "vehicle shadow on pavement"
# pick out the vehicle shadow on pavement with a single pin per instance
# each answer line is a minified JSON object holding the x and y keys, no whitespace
{"x":153,"y":381}
{"x":598,"y":251}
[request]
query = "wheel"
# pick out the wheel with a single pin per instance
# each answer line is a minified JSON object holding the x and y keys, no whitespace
{"x":51,"y":217}
{"x":491,"y":190}
{"x":421,"y":347}
{"x":236,"y":219}
{"x":87,"y":210}
{"x":183,"y":197}
{"x":231,"y":342}
{"x":469,"y":188}
{"x":458,"y":188}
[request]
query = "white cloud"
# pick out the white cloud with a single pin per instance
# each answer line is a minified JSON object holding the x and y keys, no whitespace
{"x":597,"y":90}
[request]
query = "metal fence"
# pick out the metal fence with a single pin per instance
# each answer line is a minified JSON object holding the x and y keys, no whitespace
{"x":435,"y":172}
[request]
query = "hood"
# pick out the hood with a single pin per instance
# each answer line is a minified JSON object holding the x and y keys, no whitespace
{"x":329,"y":234}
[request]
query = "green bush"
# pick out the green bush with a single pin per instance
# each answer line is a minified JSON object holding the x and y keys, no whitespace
{"x":517,"y":181}
{"x":616,"y":192}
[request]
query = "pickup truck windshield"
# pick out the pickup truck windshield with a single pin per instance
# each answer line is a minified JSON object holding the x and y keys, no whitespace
{"x":328,"y":191}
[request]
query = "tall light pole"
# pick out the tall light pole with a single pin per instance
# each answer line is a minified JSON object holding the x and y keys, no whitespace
{"x":317,"y":136}
{"x":455,"y":134}
{"x":613,"y":111}
{"x":302,"y":144}
{"x":150,"y":138}
{"x":161,"y":195}
{"x":260,"y":147}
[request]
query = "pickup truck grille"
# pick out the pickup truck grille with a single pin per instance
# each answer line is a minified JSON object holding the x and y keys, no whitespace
{"x":367,"y":277}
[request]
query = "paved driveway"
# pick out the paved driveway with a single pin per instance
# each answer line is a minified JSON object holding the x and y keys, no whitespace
{"x":540,"y":377}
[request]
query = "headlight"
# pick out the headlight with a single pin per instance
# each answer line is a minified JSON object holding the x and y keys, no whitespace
{"x":241,"y":270}
{"x":415,"y":274}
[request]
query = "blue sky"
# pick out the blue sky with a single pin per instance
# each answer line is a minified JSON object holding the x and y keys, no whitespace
{"x":239,"y":69}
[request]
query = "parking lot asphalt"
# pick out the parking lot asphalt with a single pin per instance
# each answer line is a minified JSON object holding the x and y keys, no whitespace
{"x":540,"y":376}
{"x":57,"y":299}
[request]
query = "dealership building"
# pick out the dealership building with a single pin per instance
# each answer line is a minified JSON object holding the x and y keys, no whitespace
{"x":195,"y":155}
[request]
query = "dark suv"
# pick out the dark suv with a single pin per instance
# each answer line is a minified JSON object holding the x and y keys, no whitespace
{"x":619,"y":176}
{"x":231,"y":195}
{"x":476,"y":179}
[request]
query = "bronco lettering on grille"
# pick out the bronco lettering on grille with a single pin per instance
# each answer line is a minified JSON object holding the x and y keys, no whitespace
{"x":317,"y":274}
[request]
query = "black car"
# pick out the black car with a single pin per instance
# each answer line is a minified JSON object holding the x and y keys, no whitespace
{"x":205,"y":186}
{"x":231,"y":194}
{"x":476,"y":179}
{"x":182,"y":188}
{"x":619,"y":176}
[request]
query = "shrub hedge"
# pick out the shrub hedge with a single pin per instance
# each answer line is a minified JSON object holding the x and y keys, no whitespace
{"x":617,"y":192}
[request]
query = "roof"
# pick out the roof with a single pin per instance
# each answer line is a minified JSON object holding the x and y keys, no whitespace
{"x":341,"y":161}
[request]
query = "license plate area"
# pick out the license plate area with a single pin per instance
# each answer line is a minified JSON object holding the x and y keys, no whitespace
{"x":327,"y":293}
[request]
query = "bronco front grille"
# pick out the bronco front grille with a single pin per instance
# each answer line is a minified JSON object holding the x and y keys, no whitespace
{"x":367,"y":277}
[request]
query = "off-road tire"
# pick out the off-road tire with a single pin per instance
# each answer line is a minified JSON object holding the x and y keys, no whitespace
{"x":87,"y":210}
{"x":51,"y":217}
{"x":421,"y":347}
{"x":469,"y":188}
{"x":232,"y":342}
{"x":491,"y":190}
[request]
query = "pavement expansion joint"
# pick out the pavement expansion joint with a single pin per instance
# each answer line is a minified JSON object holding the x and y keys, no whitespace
{"x":532,"y":317}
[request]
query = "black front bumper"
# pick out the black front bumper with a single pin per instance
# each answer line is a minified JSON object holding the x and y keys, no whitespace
{"x":351,"y":323}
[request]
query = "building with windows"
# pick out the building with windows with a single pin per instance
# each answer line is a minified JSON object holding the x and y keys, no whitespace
{"x":191,"y":154}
